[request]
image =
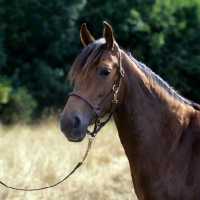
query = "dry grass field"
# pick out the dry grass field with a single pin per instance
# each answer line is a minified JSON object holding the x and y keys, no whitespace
{"x":37,"y":156}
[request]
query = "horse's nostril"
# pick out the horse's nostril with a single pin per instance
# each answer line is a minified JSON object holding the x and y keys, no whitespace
{"x":77,"y":122}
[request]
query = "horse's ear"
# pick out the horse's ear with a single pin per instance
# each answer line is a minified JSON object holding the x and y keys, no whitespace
{"x":108,"y":35}
{"x":86,"y":37}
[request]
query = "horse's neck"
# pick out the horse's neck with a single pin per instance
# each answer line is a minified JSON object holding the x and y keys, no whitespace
{"x":147,"y":111}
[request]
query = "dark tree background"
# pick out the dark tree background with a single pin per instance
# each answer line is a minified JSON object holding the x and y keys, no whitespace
{"x":39,"y":40}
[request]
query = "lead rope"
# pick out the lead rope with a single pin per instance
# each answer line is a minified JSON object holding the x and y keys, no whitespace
{"x":90,"y":140}
{"x":97,"y":127}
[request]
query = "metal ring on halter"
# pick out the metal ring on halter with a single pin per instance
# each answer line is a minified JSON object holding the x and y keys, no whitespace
{"x":115,"y":88}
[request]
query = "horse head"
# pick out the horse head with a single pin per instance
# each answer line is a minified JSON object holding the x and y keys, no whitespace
{"x":96,"y":75}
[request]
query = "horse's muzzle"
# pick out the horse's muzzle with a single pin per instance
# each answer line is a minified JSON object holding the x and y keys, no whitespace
{"x":73,"y":127}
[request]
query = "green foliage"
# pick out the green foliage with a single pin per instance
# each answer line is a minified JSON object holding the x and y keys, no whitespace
{"x":5,"y":89}
{"x":37,"y":44}
{"x":15,"y":105}
{"x":2,"y":53}
{"x":19,"y":107}
{"x":39,"y":40}
{"x":177,"y":60}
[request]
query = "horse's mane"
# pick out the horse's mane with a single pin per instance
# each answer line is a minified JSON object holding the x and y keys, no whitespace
{"x":161,"y":82}
{"x":89,"y":57}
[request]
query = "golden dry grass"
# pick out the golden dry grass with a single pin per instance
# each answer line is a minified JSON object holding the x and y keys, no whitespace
{"x":38,"y":156}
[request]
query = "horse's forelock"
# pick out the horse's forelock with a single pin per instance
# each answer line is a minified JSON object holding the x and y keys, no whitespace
{"x":86,"y":61}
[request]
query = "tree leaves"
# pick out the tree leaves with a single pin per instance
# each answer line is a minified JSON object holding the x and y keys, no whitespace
{"x":39,"y":41}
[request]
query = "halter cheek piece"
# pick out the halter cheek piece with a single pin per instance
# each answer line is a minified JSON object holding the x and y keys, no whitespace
{"x":96,"y":109}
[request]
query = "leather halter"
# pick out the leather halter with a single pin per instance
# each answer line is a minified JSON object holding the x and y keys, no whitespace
{"x":96,"y":109}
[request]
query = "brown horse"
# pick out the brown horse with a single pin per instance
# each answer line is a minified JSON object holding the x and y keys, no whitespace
{"x":158,"y":128}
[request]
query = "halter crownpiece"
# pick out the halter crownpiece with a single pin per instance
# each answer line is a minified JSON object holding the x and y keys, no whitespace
{"x":121,"y":70}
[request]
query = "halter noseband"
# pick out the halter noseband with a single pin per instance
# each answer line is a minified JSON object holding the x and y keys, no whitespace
{"x":96,"y":109}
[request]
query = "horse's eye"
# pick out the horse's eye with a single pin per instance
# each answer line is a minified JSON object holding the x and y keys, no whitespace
{"x":105,"y":72}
